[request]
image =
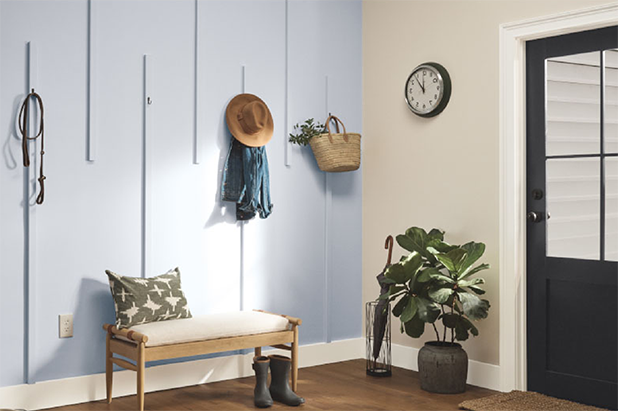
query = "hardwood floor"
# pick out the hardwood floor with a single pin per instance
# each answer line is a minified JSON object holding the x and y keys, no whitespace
{"x":339,"y":386}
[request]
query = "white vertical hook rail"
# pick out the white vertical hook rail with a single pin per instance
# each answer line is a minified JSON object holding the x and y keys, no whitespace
{"x":328,"y":201}
{"x":286,"y":131}
{"x":243,"y":87}
{"x":30,"y":225}
{"x":91,"y":143}
{"x":197,"y":152}
{"x":148,"y":102}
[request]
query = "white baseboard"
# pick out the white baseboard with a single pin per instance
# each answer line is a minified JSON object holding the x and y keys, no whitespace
{"x":56,"y":393}
{"x":88,"y":388}
{"x":480,"y":374}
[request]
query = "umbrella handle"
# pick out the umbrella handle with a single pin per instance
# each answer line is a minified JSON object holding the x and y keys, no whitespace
{"x":388,"y":245}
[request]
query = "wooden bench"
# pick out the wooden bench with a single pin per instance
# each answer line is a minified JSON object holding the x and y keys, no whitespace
{"x":133,"y":345}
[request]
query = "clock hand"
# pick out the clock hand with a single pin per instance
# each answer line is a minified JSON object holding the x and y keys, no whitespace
{"x":419,"y":83}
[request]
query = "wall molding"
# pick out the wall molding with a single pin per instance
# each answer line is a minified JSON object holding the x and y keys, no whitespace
{"x":512,"y":139}
{"x":88,"y":388}
{"x":91,"y":87}
{"x":30,"y":225}
{"x":480,"y":374}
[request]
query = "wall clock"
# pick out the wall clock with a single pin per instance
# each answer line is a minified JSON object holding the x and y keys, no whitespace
{"x":428,"y":89}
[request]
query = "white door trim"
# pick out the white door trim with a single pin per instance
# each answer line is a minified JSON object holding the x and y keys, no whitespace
{"x":513,"y":175}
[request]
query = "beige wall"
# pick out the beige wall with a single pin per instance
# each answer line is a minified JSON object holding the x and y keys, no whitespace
{"x":440,"y":172}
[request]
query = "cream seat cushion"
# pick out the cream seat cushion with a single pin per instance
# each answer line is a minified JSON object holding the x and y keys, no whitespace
{"x":210,"y":327}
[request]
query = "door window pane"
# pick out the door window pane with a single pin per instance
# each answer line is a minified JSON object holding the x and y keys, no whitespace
{"x":573,"y":104}
{"x":611,"y":209}
{"x":573,"y":201}
{"x":611,"y":101}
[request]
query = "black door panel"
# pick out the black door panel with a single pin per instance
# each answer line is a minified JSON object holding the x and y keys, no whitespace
{"x":572,"y":299}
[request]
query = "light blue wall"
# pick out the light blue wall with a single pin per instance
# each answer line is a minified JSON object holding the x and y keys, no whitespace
{"x":302,"y":57}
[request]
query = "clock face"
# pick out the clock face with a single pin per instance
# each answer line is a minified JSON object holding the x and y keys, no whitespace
{"x":427,"y":90}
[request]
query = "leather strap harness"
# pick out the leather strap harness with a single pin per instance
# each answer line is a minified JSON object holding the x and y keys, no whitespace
{"x":23,"y":129}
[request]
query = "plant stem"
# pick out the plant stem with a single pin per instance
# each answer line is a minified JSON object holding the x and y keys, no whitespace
{"x":436,"y":330}
{"x":452,"y":329}
{"x":444,"y":335}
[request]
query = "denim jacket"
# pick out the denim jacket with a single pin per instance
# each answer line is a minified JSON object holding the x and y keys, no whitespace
{"x":246,"y":181}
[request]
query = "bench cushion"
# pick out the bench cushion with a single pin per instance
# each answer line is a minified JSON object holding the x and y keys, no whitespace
{"x":210,"y":327}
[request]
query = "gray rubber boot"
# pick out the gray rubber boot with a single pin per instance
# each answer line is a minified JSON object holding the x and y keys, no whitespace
{"x":280,"y":381}
{"x":262,"y":398}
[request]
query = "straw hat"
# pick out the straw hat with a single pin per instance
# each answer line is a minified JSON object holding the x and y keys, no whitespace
{"x":249,"y":120}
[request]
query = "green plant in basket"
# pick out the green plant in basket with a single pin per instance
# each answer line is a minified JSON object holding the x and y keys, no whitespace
{"x":304,"y":132}
{"x":434,"y":284}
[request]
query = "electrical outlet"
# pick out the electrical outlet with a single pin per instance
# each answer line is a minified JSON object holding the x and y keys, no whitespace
{"x":66,"y":325}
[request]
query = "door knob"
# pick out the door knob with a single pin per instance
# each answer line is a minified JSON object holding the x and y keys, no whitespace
{"x":535,"y":216}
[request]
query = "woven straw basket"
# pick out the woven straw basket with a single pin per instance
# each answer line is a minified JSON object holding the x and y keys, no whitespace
{"x":337,"y":152}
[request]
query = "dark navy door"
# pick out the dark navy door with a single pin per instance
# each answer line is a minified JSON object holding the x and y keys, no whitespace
{"x":572,"y":212}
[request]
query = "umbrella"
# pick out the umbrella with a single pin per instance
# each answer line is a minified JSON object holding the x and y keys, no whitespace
{"x":380,"y":319}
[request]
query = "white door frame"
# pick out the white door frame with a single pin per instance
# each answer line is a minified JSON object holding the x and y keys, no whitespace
{"x":513,"y":36}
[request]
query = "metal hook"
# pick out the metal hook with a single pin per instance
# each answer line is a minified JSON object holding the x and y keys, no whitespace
{"x":388,"y":245}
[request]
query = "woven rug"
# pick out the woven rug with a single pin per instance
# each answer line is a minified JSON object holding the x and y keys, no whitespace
{"x":523,"y":401}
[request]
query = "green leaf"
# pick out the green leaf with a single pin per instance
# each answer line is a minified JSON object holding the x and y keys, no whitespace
{"x":428,"y":274}
{"x":415,"y":327}
{"x":476,"y":289}
{"x":396,"y":273}
{"x":436,"y":234}
{"x":470,"y":326}
{"x":394,"y":289}
{"x":474,"y":251}
{"x":460,"y":324}
{"x":401,"y":304}
{"x":415,"y":239}
{"x":412,"y":264}
{"x":409,"y":311}
{"x":409,"y":244}
{"x":474,"y":271}
{"x":468,"y":283}
{"x":436,"y":246}
{"x":427,"y":310}
{"x":461,"y":332}
{"x":387,"y":280}
{"x":474,"y":307}
{"x":440,"y":294}
{"x":418,"y":234}
{"x":446,"y":262}
{"x":457,"y":256}
{"x":444,"y":279}
{"x":450,"y":320}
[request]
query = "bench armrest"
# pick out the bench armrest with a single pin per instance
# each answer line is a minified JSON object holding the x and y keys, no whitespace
{"x":292,"y":320}
{"x":126,"y":333}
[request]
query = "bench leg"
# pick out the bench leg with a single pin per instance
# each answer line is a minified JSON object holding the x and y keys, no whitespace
{"x":258,"y":351}
{"x":109,"y":368}
{"x":141,"y":370}
{"x":295,"y":359}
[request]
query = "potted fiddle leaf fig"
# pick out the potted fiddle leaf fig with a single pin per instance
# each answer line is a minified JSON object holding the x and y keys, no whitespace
{"x":434,"y":285}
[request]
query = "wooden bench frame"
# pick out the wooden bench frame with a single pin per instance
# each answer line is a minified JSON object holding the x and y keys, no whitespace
{"x":138,"y":352}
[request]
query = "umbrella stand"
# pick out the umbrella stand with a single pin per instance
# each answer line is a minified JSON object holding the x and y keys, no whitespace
{"x":380,"y":365}
{"x":378,"y":326}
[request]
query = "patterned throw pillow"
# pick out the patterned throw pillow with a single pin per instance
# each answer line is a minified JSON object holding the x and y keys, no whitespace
{"x":145,"y":300}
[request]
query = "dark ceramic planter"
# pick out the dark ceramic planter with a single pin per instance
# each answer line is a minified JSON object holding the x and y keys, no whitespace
{"x":443,"y":367}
